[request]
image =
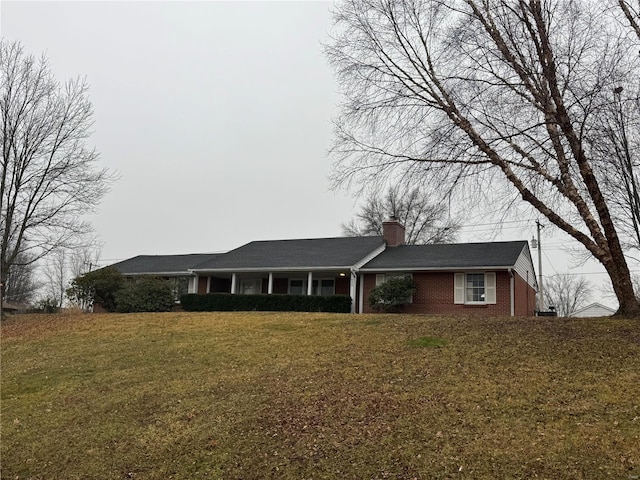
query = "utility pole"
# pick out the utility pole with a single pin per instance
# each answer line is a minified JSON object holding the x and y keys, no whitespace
{"x":541,"y":289}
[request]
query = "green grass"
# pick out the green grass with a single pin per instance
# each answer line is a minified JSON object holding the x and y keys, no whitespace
{"x":301,"y":396}
{"x":427,"y":342}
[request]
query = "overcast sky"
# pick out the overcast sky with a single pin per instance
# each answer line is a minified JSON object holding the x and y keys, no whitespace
{"x":216,"y":117}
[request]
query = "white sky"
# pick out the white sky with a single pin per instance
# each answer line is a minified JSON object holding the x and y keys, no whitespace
{"x":217,"y":118}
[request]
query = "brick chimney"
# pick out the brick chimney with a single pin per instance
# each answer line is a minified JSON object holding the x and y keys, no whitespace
{"x":393,"y":232}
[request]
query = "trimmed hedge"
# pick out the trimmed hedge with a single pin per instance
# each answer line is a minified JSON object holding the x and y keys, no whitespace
{"x":226,"y":302}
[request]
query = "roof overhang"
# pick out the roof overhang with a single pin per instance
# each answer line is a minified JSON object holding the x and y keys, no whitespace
{"x":270,"y":269}
{"x":432,"y":269}
{"x":158,"y":274}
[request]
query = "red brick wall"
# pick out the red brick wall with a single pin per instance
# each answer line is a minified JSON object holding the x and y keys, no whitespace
{"x":280,"y":285}
{"x":342,"y":285}
{"x":525,"y":296}
{"x":434,"y":295}
{"x":202,"y":284}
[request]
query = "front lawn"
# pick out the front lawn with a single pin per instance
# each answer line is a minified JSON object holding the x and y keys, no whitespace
{"x":301,"y":396}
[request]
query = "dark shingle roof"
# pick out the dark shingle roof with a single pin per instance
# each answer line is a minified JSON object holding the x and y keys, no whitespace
{"x":442,"y":256}
{"x":295,"y":254}
{"x":170,"y":264}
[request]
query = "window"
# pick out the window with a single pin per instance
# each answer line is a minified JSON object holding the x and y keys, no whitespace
{"x":297,"y":287}
{"x":322,"y":286}
{"x":327,"y":287}
{"x":475,"y":288}
{"x":250,"y":286}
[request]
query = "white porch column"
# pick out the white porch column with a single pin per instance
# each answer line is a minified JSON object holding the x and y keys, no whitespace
{"x":193,"y":284}
{"x":310,"y":283}
{"x":270,"y":287}
{"x":361,"y":296}
{"x":234,"y":280}
{"x":353,"y":281}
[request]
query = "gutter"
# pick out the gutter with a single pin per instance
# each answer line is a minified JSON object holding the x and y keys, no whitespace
{"x":460,"y":268}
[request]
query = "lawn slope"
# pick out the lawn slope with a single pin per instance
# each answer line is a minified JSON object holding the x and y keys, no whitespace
{"x":300,"y":396}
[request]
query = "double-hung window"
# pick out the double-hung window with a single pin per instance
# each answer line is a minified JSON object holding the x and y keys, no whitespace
{"x":475,"y":288}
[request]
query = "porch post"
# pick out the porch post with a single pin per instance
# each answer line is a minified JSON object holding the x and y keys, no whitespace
{"x":310,"y":283}
{"x":361,"y":296}
{"x":233,"y":283}
{"x":352,"y":290}
{"x":270,"y":287}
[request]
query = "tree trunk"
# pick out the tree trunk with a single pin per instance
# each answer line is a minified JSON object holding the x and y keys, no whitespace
{"x":629,"y":304}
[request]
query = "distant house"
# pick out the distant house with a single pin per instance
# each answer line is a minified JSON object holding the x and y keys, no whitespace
{"x":11,"y":308}
{"x":593,"y":310}
{"x":494,"y":278}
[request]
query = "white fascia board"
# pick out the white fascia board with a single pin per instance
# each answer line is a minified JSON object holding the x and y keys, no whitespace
{"x":369,"y":257}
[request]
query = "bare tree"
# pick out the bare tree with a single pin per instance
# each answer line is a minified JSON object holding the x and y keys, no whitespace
{"x":424,"y":221}
{"x":49,"y":178}
{"x":21,"y":285}
{"x":567,"y":293}
{"x":614,"y":147}
{"x":63,"y":265}
{"x":500,"y":98}
{"x":57,"y":276}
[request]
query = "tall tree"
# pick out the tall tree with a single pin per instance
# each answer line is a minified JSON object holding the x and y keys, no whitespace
{"x":49,"y":178}
{"x":497,"y":97}
{"x":424,"y":221}
{"x":567,"y":293}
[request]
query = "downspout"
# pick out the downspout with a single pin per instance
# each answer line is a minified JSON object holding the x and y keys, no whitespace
{"x":512,"y":296}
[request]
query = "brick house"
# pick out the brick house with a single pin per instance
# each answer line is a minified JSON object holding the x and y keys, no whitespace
{"x":494,"y":278}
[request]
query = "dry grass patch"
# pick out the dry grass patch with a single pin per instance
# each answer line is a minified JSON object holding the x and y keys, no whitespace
{"x":293,"y":396}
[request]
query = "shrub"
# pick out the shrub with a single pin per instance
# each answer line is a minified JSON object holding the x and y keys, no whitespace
{"x":392,"y":294}
{"x":221,"y":302}
{"x":145,"y":294}
{"x":97,"y":287}
{"x":48,"y":305}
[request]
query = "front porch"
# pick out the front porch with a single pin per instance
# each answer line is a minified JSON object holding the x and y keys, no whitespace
{"x":319,"y":282}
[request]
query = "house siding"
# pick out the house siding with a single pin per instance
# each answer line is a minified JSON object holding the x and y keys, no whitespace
{"x":434,"y":295}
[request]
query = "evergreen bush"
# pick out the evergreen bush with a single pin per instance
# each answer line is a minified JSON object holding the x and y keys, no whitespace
{"x":145,"y":294}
